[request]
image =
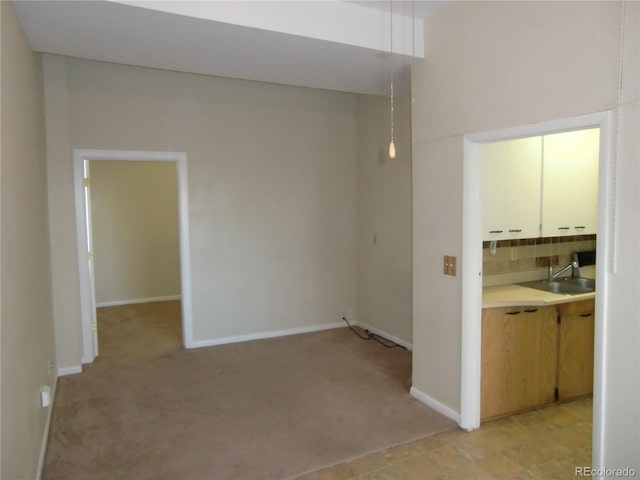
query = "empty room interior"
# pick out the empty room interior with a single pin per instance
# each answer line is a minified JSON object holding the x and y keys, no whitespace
{"x":367,"y":239}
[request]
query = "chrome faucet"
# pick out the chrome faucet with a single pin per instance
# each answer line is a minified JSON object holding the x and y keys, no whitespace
{"x":552,"y":274}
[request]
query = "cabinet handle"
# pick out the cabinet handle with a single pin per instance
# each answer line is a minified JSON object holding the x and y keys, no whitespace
{"x":586,"y":314}
{"x":531,"y":311}
{"x":580,"y":227}
{"x":515,"y":230}
{"x":563,"y":228}
{"x":495,"y":231}
{"x":513,"y":313}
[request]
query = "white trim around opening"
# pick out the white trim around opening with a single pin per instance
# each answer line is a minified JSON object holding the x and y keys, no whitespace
{"x":87,"y":297}
{"x":472,"y":264}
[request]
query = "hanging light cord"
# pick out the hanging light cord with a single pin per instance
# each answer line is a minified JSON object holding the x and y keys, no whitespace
{"x":392,"y":107}
{"x":614,"y":189}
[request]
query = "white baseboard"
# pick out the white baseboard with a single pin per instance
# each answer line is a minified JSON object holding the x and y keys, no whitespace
{"x":69,"y":370}
{"x":384,"y":334}
{"x":45,"y":435}
{"x":435,"y":404}
{"x":259,"y":336}
{"x":116,"y":303}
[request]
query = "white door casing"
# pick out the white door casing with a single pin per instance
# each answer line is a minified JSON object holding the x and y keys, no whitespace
{"x":472,"y":261}
{"x":89,"y":260}
{"x":85,"y":266}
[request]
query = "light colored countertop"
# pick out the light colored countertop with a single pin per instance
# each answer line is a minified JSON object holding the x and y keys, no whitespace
{"x":516,"y":295}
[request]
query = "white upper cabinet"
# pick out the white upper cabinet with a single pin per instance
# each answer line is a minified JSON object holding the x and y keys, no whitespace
{"x":570,"y":183}
{"x":510,"y":188}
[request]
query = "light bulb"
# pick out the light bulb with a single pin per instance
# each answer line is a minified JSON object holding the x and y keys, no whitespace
{"x":392,"y":150}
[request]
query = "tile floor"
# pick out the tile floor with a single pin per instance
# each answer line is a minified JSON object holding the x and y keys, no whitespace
{"x":542,"y":444}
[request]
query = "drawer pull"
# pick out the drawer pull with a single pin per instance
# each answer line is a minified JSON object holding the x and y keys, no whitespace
{"x":514,"y":313}
{"x":495,"y":231}
{"x":563,"y":228}
{"x":581,"y":227}
{"x":515,"y":230}
{"x":531,"y":311}
{"x":586,"y":314}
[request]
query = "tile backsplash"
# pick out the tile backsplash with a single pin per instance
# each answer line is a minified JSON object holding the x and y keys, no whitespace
{"x":530,"y":254}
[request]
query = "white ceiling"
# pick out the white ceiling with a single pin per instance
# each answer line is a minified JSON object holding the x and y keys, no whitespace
{"x":330,"y":45}
{"x":419,"y":8}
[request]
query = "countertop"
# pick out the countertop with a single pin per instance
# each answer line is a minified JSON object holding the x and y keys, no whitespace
{"x":516,"y":295}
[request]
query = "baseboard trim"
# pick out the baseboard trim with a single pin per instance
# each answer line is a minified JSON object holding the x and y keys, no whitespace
{"x":117,"y":303}
{"x":435,"y":404}
{"x":263,"y":335}
{"x":45,"y":435}
{"x":69,"y":370}
{"x":386,"y":335}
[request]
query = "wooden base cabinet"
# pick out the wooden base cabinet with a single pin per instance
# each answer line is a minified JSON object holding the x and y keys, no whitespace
{"x":519,"y":359}
{"x":575,"y":349}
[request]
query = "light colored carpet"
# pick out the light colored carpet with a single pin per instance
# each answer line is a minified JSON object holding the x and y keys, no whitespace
{"x":267,"y":409}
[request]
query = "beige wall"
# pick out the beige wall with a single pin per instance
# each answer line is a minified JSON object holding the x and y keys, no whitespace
{"x":492,"y":65}
{"x":26,"y":311}
{"x":384,"y":214}
{"x":271,"y":174}
{"x":276,"y":175}
{"x":134,"y":209}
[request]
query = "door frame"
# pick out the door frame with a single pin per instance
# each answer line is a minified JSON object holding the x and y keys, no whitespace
{"x":87,"y":289}
{"x":472,"y":255}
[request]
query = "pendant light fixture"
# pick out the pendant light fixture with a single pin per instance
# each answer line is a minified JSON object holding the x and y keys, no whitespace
{"x":392,"y":146}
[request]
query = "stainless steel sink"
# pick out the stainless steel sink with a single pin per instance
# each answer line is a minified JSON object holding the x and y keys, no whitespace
{"x":579,"y":281}
{"x":564,"y":286}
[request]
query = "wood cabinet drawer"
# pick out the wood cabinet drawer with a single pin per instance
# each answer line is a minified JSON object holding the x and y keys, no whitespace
{"x":576,"y":307}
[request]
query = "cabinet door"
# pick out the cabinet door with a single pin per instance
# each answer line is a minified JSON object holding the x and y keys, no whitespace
{"x":510,"y":188}
{"x":519,"y":359}
{"x":575,"y":355}
{"x":570,"y":183}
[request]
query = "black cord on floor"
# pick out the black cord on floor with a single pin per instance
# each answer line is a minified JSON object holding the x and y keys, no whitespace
{"x":368,"y":337}
{"x":373,"y":336}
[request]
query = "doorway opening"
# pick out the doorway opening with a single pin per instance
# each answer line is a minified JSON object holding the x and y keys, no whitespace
{"x":472,"y":270}
{"x":124,"y":277}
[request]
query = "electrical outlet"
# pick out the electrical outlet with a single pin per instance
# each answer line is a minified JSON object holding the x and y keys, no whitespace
{"x":50,"y":367}
{"x":45,"y":396}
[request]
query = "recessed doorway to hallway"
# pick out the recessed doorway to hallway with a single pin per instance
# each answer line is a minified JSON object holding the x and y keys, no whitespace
{"x":133,"y":232}
{"x":141,"y":235}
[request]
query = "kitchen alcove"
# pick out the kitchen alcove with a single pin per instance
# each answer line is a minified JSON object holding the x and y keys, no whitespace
{"x":472,"y":271}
